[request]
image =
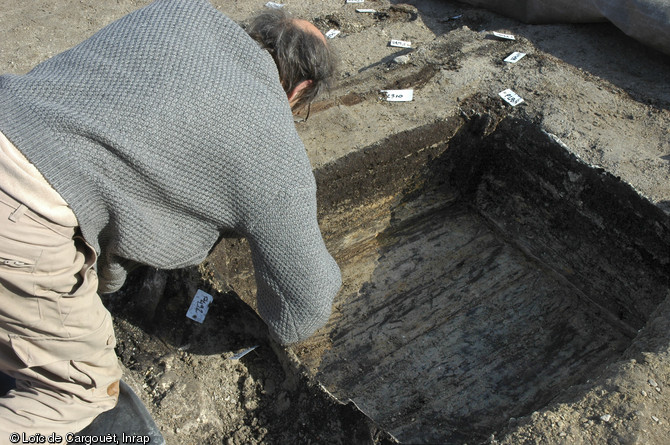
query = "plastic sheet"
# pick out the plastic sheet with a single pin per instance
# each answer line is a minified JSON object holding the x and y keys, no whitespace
{"x":645,"y":20}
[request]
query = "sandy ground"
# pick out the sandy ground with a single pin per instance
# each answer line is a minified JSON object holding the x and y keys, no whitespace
{"x":604,"y":95}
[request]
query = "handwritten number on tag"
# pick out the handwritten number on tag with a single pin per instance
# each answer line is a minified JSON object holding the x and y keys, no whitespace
{"x":511,"y":97}
{"x":199,"y":306}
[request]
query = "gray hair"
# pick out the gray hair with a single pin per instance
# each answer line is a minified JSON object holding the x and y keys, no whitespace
{"x":299,"y":54}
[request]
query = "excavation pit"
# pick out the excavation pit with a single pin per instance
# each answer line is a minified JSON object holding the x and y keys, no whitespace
{"x":486,"y":269}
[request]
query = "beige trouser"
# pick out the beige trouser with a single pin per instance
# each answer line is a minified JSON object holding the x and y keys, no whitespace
{"x":56,"y":337}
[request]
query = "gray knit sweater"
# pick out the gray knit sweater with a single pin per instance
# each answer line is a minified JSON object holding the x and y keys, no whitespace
{"x":167,"y":129}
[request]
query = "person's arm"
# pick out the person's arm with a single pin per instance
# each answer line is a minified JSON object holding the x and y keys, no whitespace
{"x":296,"y":277}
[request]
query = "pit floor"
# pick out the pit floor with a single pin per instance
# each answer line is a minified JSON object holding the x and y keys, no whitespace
{"x":446,"y":330}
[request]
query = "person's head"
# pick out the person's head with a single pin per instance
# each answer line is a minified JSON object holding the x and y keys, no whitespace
{"x":304,"y":60}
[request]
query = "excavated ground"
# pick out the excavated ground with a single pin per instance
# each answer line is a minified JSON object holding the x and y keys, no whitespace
{"x":506,"y":269}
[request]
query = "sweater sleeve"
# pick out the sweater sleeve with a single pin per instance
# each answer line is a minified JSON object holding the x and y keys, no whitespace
{"x":297,"y":279}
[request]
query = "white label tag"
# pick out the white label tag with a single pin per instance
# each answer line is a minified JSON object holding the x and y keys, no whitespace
{"x":504,"y":36}
{"x":199,"y":306}
{"x":401,"y":43}
{"x":274,"y":5}
{"x":399,"y":95}
{"x":331,"y":34}
{"x":355,"y":1}
{"x":241,"y":354}
{"x":511,"y":97}
{"x":368,"y":11}
{"x":514,"y":57}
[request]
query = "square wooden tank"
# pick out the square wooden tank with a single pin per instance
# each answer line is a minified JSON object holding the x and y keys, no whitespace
{"x":486,"y":269}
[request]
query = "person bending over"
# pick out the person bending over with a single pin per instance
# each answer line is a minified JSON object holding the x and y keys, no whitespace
{"x":145,"y":144}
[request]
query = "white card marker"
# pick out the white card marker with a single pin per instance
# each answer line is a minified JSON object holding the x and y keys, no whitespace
{"x":241,"y":354}
{"x":401,"y":43}
{"x":332,"y":33}
{"x":500,"y":35}
{"x":199,"y":306}
{"x":399,"y":95}
{"x":511,"y":97}
{"x":515,"y":57}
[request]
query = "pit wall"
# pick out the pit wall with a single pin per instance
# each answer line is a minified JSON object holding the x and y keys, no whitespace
{"x":582,"y":223}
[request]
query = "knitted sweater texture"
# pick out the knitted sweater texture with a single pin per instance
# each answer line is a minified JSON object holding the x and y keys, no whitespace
{"x":167,"y":129}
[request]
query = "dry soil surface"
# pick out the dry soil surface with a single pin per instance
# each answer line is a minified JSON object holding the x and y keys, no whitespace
{"x":605,"y":96}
